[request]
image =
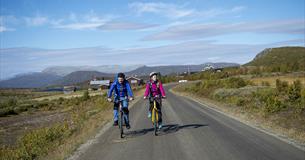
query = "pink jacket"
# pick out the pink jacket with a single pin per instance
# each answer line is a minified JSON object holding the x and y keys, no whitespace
{"x":154,"y":89}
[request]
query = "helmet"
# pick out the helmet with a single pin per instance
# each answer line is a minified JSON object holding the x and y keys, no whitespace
{"x":121,"y":75}
{"x":153,"y":73}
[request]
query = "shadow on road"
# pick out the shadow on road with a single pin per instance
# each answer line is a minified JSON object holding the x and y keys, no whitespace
{"x":166,"y":129}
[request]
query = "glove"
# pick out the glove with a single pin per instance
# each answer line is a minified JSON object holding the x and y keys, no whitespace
{"x":109,"y":99}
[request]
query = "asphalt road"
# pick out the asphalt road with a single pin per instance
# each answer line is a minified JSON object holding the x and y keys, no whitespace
{"x":191,"y":131}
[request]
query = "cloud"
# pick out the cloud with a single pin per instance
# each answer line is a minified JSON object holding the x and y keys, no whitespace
{"x":191,"y":52}
{"x":168,"y":10}
{"x":36,"y":21}
{"x":88,"y":21}
{"x":92,"y":21}
{"x":5,"y":29}
{"x":5,"y":21}
{"x":78,"y":26}
{"x":125,"y":26}
{"x":174,"y":11}
{"x":199,"y":31}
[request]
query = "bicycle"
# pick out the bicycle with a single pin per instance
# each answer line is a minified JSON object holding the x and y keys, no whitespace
{"x":155,"y":116}
{"x":120,"y":118}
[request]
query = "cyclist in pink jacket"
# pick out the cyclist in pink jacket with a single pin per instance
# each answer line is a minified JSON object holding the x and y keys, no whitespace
{"x":154,"y":88}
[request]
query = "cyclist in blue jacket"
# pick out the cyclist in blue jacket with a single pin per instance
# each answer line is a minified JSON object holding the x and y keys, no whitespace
{"x":122,"y":92}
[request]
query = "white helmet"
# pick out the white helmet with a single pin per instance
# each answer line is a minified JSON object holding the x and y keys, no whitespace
{"x":153,"y":73}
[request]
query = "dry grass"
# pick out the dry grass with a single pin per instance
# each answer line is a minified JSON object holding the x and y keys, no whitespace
{"x":71,"y":95}
{"x":82,"y":120}
{"x":272,"y":79}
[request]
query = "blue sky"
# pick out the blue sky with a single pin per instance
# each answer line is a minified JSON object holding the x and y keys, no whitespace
{"x":36,"y":34}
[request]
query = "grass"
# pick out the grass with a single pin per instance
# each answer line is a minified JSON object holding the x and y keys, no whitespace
{"x":84,"y":116}
{"x":290,"y":78}
{"x":41,"y":141}
{"x":25,"y":100}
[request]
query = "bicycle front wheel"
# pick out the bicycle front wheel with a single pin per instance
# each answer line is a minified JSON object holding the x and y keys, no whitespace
{"x":121,"y":124}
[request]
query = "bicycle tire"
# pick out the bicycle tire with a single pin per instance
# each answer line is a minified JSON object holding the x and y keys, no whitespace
{"x":120,"y":119}
{"x":155,"y":120}
{"x":121,"y":125}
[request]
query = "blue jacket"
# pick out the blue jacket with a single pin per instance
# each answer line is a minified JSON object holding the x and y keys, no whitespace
{"x":120,"y":90}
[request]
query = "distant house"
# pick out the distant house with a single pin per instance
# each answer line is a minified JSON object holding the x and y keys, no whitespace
{"x":212,"y":68}
{"x":208,"y":68}
{"x":134,"y":81}
{"x":69,"y":89}
{"x":99,"y":84}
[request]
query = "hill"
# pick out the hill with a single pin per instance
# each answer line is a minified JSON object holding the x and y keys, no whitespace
{"x":65,"y":70}
{"x":80,"y":76}
{"x":174,"y":69}
{"x":280,"y":59}
{"x":32,"y":80}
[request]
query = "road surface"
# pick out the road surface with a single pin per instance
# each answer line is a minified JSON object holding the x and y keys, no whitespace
{"x":191,"y":131}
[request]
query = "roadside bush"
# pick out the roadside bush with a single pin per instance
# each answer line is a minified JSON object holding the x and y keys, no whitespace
{"x":61,"y":100}
{"x":273,"y":104}
{"x":211,"y":84}
{"x":265,"y":83}
{"x":235,"y":82}
{"x":281,"y":86}
{"x":8,"y":102}
{"x":22,"y":108}
{"x":236,"y":100}
{"x":294,"y":91}
{"x":33,"y":144}
{"x":7,"y":111}
{"x":268,"y":100}
{"x":86,"y":95}
{"x":41,"y":104}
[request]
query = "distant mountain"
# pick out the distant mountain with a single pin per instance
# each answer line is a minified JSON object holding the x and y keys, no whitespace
{"x":32,"y":80}
{"x":51,"y":77}
{"x":174,"y":69}
{"x":80,"y":76}
{"x":65,"y":70}
{"x":281,"y":59}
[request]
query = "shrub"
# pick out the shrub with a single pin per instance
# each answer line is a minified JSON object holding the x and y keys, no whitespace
{"x":265,"y":83}
{"x":40,"y":141}
{"x":235,"y":82}
{"x":281,"y":86}
{"x":6,"y":111}
{"x":61,"y":100}
{"x":86,"y":95}
{"x":294,"y":91}
{"x":273,"y":104}
{"x":22,"y":108}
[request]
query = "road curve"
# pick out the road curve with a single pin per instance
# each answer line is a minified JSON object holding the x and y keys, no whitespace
{"x":191,"y":131}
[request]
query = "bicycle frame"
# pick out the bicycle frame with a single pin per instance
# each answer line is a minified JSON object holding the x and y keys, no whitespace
{"x":155,"y":117}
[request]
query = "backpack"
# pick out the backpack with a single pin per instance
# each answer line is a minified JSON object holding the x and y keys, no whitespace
{"x":150,"y":87}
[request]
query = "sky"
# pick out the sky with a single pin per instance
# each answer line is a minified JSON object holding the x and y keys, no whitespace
{"x":36,"y":34}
